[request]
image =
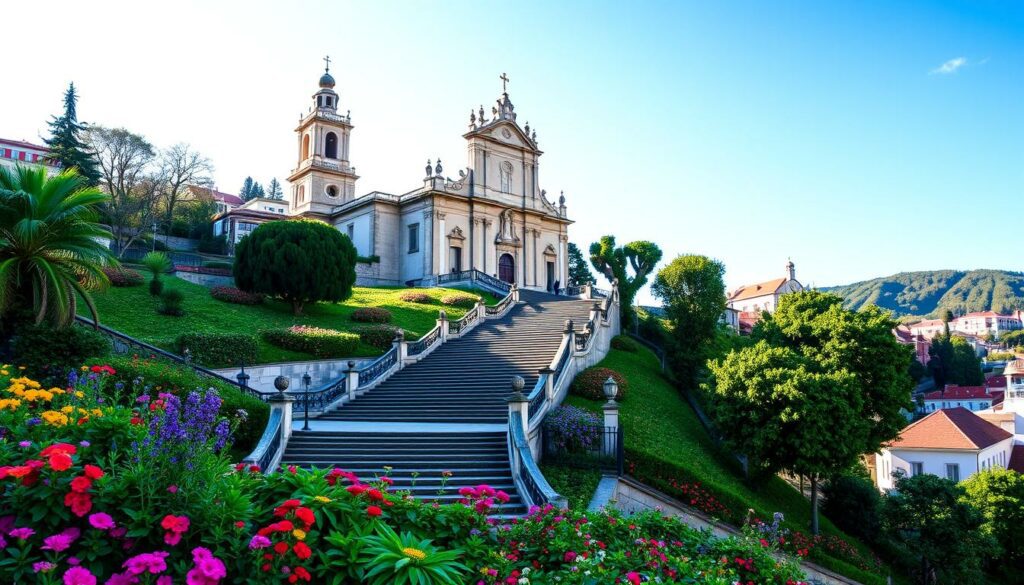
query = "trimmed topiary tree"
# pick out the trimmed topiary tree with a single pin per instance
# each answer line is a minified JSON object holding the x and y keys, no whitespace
{"x":590,"y":383}
{"x":298,"y":261}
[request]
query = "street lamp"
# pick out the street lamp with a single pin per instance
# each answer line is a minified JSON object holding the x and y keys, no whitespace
{"x":306,"y":379}
{"x":611,"y":389}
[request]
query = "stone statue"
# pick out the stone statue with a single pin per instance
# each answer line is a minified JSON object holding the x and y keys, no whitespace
{"x":429,"y":168}
{"x":438,"y":170}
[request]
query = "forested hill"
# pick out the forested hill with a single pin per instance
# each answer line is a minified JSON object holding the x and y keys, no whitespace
{"x":931,"y":293}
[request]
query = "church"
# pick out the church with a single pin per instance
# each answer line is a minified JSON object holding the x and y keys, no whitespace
{"x":492,"y":216}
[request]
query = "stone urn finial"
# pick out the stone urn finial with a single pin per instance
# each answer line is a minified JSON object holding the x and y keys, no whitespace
{"x":568,"y":325}
{"x":281,"y":383}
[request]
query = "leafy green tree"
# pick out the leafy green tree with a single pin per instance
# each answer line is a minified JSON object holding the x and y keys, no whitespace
{"x":930,"y":516}
{"x":274,"y":190}
{"x":778,"y":408}
{"x":66,"y":145}
{"x":257,"y":191}
{"x":579,"y":271}
{"x":300,"y":261}
{"x":51,"y":246}
{"x":999,"y":495}
{"x":1013,"y":338}
{"x":952,"y":360}
{"x":853,"y":503}
{"x":692,"y":290}
{"x":613,"y":262}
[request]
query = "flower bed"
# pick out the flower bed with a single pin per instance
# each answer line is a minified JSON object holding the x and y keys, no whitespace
{"x":460,"y":300}
{"x":146,"y":494}
{"x":412,"y":296}
{"x":371,"y":315}
{"x":230,"y":294}
{"x":321,"y":342}
{"x":122,"y":277}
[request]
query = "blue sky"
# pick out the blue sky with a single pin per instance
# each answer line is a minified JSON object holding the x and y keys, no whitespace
{"x":858,"y":138}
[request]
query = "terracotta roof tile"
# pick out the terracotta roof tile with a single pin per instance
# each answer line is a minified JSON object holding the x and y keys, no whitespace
{"x":756,"y":290}
{"x":996,"y":382}
{"x":950,"y":428}
{"x":958,"y":393}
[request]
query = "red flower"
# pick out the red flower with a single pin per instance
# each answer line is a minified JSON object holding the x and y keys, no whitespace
{"x":93,"y":472}
{"x":239,"y":524}
{"x":302,"y":550}
{"x":355,"y":490}
{"x":373,"y":511}
{"x":306,"y":515}
{"x":79,"y":503}
{"x":302,"y":573}
{"x":281,"y":547}
{"x":81,"y":484}
{"x":375,"y":494}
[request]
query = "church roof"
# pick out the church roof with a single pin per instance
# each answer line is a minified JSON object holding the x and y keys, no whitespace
{"x":950,"y":428}
{"x":750,"y":291}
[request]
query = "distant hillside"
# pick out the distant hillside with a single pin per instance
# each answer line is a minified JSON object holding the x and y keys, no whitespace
{"x":931,"y":293}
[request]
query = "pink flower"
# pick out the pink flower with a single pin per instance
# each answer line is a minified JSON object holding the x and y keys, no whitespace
{"x":258,"y":542}
{"x":122,"y":579}
{"x":172,"y":488}
{"x":208,"y":570}
{"x":570,"y":556}
{"x":79,"y":576}
{"x":164,"y":580}
{"x":57,"y":542}
{"x":633,"y":577}
{"x":43,"y":567}
{"x":147,"y":563}
{"x":23,"y":533}
{"x":175,"y":527}
{"x":101,"y":521}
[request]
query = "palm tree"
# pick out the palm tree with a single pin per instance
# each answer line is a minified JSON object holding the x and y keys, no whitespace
{"x":51,"y":246}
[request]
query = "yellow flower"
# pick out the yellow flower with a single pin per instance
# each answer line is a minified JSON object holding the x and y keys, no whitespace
{"x":322,"y":499}
{"x":97,"y":412}
{"x":56,"y":390}
{"x":9,"y":403}
{"x":5,"y":372}
{"x":21,"y":367}
{"x":79,"y":394}
{"x":85,"y":368}
{"x":54,"y":418}
{"x":68,"y":409}
{"x":299,"y":534}
{"x":414,"y":553}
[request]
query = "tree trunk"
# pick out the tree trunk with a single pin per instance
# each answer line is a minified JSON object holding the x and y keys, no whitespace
{"x":814,"y":504}
{"x":296,"y":307}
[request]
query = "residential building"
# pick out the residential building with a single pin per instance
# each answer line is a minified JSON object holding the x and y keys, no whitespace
{"x":928,"y":328}
{"x":920,"y":343}
{"x":17,"y":152}
{"x":225,"y":201}
{"x":982,"y":323}
{"x":753,"y":299}
{"x":973,"y":398}
{"x":240,"y":221}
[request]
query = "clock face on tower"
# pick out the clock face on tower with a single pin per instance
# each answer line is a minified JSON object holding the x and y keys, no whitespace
{"x":506,"y":133}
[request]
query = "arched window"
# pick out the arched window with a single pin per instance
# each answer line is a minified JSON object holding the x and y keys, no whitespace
{"x":506,"y":177}
{"x":331,"y":145}
{"x":305,"y":146}
{"x":302,"y":193}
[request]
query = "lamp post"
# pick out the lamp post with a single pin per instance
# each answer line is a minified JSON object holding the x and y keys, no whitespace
{"x":306,"y":379}
{"x":242,"y":377}
{"x":154,"y":236}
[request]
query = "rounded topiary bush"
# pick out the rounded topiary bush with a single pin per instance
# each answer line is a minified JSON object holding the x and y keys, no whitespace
{"x":378,"y":336}
{"x":460,"y":300}
{"x":318,"y":341}
{"x":621,"y":342}
{"x":590,"y":383}
{"x":230,"y":294}
{"x":371,"y":315}
{"x":415,"y":296}
{"x":171,"y":301}
{"x":218,"y":349}
{"x":123,"y":277}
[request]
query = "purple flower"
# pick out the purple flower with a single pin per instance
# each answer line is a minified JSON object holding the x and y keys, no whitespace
{"x":79,"y":576}
{"x":43,"y":567}
{"x":34,"y":421}
{"x":142,"y":398}
{"x":25,"y":444}
{"x":23,"y":533}
{"x":147,"y":563}
{"x":259,"y":541}
{"x":84,"y":443}
{"x":101,"y":521}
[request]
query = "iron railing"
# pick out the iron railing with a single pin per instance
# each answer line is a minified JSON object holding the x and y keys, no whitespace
{"x":322,"y":397}
{"x":126,"y":345}
{"x":602,"y":293}
{"x":573,"y":291}
{"x":538,"y":396}
{"x":538,"y":491}
{"x":589,"y":447}
{"x":270,"y":443}
{"x":424,"y":343}
{"x":379,"y":366}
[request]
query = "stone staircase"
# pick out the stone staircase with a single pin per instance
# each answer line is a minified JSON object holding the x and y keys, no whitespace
{"x":446,"y":412}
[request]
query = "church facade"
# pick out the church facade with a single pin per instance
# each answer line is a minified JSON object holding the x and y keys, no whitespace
{"x":492,"y":216}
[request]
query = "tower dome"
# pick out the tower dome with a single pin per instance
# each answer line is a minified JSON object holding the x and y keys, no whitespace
{"x":327,"y":81}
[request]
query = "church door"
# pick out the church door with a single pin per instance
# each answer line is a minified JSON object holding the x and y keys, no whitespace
{"x":455,"y":258}
{"x":551,"y":275}
{"x":507,"y":268}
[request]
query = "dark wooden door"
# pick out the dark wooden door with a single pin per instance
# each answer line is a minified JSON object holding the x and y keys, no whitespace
{"x":507,"y":268}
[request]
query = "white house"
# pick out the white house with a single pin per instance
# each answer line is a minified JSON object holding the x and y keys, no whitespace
{"x":928,"y":328}
{"x":983,"y":323}
{"x":973,"y":398}
{"x":764,"y":296}
{"x":16,"y":152}
{"x":953,"y":443}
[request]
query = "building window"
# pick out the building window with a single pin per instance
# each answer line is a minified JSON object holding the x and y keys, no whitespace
{"x":414,"y":238}
{"x":331,"y":145}
{"x":332,"y":191}
{"x":506,"y":177}
{"x":916,"y":468}
{"x":351,"y":231}
{"x":953,"y":471}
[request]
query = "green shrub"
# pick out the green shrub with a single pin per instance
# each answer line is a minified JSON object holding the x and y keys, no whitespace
{"x":854,"y":505}
{"x":318,"y":341}
{"x":123,"y":277}
{"x":415,"y":296}
{"x":378,"y":336}
{"x":156,"y":287}
{"x":181,"y":380}
{"x":218,"y":264}
{"x":624,"y":343}
{"x":590,"y":383}
{"x":460,"y":300}
{"x":371,"y":315}
{"x":210,"y":244}
{"x":171,"y":301}
{"x":51,"y":353}
{"x":219,"y":349}
{"x":1001,"y":356}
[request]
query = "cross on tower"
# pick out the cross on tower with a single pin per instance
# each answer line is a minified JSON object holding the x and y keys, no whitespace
{"x":327,"y":63}
{"x":504,"y":83}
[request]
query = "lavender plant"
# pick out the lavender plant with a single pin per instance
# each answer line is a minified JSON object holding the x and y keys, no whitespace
{"x":572,"y":429}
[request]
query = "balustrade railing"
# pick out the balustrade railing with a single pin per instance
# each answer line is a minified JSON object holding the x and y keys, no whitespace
{"x":583,"y":337}
{"x":500,"y":306}
{"x":379,"y":366}
{"x":601,"y":292}
{"x":537,"y":396}
{"x":269,"y":445}
{"x":536,"y":489}
{"x":456,"y":327}
{"x":474,"y":276}
{"x":573,"y":291}
{"x":322,"y":397}
{"x":424,"y":343}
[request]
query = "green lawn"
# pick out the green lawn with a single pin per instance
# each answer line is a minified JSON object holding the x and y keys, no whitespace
{"x":660,"y":426}
{"x":576,"y":484}
{"x":132,"y":310}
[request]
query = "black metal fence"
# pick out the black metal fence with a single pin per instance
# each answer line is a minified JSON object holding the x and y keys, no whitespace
{"x":594,"y":447}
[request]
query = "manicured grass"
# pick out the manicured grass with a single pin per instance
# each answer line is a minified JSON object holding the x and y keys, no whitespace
{"x":577,"y":485}
{"x":660,"y":425}
{"x":132,"y":311}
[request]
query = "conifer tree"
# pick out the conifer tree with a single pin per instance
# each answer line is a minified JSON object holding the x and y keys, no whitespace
{"x":246,"y":192}
{"x":274,"y":190}
{"x":65,"y":143}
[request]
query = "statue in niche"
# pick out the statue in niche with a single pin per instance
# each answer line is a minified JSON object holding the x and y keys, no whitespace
{"x":506,"y":227}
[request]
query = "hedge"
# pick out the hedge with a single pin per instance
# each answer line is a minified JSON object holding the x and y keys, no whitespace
{"x":177,"y":379}
{"x":371,"y":315}
{"x":625,"y":344}
{"x":412,"y":296}
{"x":215,"y":350}
{"x":378,"y":336}
{"x":230,"y":294}
{"x":590,"y":383}
{"x":51,"y":353}
{"x":460,"y":300}
{"x":321,"y":342}
{"x":123,"y":277}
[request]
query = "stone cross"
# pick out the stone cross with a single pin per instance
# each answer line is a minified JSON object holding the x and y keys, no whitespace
{"x":327,"y":63}
{"x":504,"y":83}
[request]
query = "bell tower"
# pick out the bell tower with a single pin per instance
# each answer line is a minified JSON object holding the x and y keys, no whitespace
{"x":323,"y":177}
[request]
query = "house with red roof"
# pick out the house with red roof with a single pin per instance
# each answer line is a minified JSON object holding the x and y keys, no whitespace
{"x":982,"y":323}
{"x":973,"y":398}
{"x":954,"y":443}
{"x":18,"y":152}
{"x":751,"y":300}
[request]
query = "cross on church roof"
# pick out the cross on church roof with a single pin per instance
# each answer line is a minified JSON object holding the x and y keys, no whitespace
{"x":327,"y":63}
{"x":504,"y":83}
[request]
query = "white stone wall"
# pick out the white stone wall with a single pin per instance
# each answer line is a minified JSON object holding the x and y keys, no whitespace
{"x":935,"y":461}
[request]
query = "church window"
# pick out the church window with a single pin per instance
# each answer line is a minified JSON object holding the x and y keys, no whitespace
{"x":332,"y":191}
{"x":414,"y":238}
{"x":302,"y":193}
{"x":305,"y":146}
{"x":506,"y":177}
{"x":331,"y":145}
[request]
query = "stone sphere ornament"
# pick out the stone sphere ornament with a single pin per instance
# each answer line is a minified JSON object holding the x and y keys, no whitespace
{"x":282,"y":383}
